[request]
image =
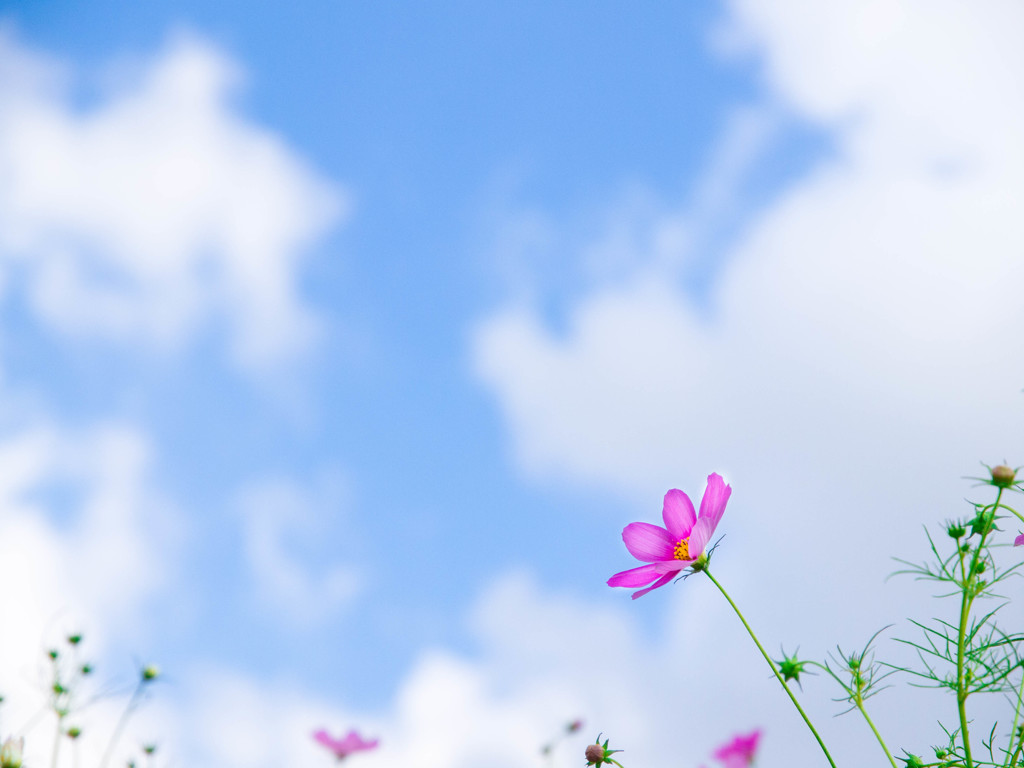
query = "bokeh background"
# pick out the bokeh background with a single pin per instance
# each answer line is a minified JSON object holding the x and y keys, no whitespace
{"x":340,"y":340}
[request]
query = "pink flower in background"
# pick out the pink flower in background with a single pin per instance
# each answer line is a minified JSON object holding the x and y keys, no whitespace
{"x":739,"y":753}
{"x":342,"y":748}
{"x":679,"y":544}
{"x":1019,"y":541}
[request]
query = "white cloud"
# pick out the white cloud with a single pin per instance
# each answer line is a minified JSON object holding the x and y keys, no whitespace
{"x":157,"y":209}
{"x":281,"y":522}
{"x":874,"y":289}
{"x":860,"y":350}
{"x":668,"y":697}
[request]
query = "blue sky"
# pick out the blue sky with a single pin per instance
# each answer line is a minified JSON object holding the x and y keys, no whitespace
{"x":400,"y":315}
{"x":438,"y":123}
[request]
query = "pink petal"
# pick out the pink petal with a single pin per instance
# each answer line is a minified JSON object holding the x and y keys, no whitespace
{"x":635,"y":577}
{"x":672,"y":566}
{"x":716,"y":496}
{"x":648,"y":542}
{"x":659,"y":583}
{"x":1019,"y":541}
{"x":322,"y":737}
{"x":702,"y":531}
{"x":677,"y":511}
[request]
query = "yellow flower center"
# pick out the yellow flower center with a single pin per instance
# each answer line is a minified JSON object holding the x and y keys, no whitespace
{"x":682,"y":550}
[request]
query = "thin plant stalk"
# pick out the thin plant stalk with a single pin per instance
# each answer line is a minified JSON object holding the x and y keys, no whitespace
{"x":775,"y":672}
{"x":968,"y":580}
{"x":1016,"y":720}
{"x":860,"y":706}
{"x":56,"y":742}
{"x":122,"y":721}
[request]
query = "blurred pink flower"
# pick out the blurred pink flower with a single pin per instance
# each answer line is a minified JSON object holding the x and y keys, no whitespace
{"x":739,"y":753}
{"x":679,"y":544}
{"x":1019,"y":541}
{"x":342,"y":748}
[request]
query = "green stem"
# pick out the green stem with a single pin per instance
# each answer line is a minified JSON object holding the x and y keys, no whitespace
{"x":860,"y":705}
{"x":967,"y":586}
{"x":775,"y":672}
{"x":1016,"y":719}
{"x":961,"y":690}
{"x":56,"y":742}
{"x":1016,"y":753}
{"x":122,"y":721}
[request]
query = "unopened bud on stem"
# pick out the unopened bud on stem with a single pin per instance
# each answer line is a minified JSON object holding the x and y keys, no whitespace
{"x":1003,"y":476}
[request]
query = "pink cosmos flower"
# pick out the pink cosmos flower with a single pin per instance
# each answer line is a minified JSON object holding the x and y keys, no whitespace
{"x":1019,"y":541}
{"x":679,"y":544}
{"x":342,"y":748}
{"x":739,"y":753}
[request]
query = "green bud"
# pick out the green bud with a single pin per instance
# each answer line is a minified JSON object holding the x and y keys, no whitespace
{"x":74,"y":639}
{"x":941,"y":753}
{"x":1003,"y":476}
{"x":150,"y":673}
{"x":913,"y":761}
{"x":53,"y":654}
{"x":149,"y":749}
{"x":955,"y":530}
{"x":791,"y":668}
{"x":87,"y":669}
{"x":74,"y":732}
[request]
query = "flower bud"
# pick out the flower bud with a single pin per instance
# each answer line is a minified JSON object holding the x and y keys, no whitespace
{"x":790,"y":667}
{"x":10,"y":753}
{"x":598,"y":754}
{"x":150,"y":673}
{"x":1003,"y":476}
{"x":956,"y":530}
{"x":982,"y":523}
{"x":594,"y":754}
{"x":913,"y":761}
{"x":74,"y":732}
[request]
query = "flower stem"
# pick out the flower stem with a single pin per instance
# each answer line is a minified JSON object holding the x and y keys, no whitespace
{"x":961,"y":691}
{"x":56,"y":742}
{"x":121,"y":722}
{"x":775,"y":672}
{"x":860,"y":705}
{"x":1014,"y":735}
{"x":968,"y":582}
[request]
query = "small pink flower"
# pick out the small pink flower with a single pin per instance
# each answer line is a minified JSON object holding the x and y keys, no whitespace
{"x":342,"y":748}
{"x":739,"y":753}
{"x":1019,"y":541}
{"x":679,"y":544}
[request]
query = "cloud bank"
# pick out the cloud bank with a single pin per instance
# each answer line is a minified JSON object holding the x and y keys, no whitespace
{"x":156,"y":208}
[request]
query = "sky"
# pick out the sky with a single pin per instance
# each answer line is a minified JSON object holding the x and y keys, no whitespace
{"x":339,"y":342}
